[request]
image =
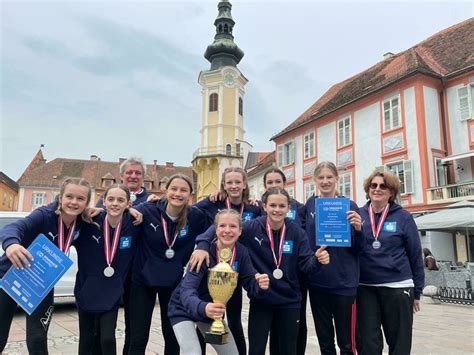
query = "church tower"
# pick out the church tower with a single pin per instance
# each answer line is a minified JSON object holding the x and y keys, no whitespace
{"x":222,"y":120}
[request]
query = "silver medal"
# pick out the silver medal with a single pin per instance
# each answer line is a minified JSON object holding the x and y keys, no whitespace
{"x":376,"y":244}
{"x":133,"y":197}
{"x":109,"y":271}
{"x":278,"y":273}
{"x":169,"y":253}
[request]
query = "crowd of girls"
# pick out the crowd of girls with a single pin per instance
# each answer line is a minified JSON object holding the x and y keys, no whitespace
{"x":278,"y":260}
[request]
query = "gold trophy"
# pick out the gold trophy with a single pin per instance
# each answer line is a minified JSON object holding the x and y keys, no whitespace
{"x":221,"y":281}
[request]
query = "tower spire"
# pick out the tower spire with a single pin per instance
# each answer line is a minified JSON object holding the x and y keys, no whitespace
{"x":223,"y":51}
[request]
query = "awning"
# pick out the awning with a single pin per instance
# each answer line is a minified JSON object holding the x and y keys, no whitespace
{"x":458,"y":156}
{"x":459,"y":215}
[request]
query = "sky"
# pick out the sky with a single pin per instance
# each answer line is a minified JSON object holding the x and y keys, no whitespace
{"x":119,"y":78}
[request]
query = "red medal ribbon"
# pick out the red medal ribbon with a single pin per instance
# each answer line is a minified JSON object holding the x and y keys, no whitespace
{"x":227,"y":204}
{"x":110,"y":252}
{"x":165,"y":231}
{"x":272,"y":243}
{"x":62,"y":247}
{"x":376,"y":231}
{"x":233,"y":255}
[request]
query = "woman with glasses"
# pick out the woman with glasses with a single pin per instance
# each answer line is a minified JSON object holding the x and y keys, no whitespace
{"x":391,"y":270}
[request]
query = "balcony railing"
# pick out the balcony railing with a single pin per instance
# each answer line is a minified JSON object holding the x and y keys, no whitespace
{"x":451,"y":193}
{"x":218,"y":150}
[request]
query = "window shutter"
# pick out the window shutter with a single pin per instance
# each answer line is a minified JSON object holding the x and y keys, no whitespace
{"x":280,"y":155}
{"x":408,"y":175}
{"x":463,"y":96}
{"x":292,"y":152}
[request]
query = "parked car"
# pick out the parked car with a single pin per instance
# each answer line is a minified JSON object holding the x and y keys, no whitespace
{"x":65,"y":286}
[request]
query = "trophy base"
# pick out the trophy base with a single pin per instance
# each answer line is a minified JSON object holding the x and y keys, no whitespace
{"x":216,"y":338}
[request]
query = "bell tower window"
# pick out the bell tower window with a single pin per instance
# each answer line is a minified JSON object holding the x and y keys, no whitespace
{"x":213,"y":99}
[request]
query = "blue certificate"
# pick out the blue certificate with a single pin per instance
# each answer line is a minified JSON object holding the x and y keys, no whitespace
{"x":332,"y":226}
{"x":28,"y":287}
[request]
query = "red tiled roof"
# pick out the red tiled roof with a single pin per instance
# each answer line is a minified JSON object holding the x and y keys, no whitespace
{"x":445,"y":54}
{"x":53,"y":173}
{"x":265,"y":163}
{"x":4,"y":178}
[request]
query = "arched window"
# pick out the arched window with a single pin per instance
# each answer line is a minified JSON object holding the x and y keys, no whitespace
{"x":220,"y":28}
{"x":213,"y":98}
{"x":228,"y":149}
{"x":226,"y":28}
{"x":241,"y":106}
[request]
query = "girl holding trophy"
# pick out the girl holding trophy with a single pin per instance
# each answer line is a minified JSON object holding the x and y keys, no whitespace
{"x":105,"y":251}
{"x":191,"y":301}
{"x":61,"y":221}
{"x":234,"y":187}
{"x":277,"y":247}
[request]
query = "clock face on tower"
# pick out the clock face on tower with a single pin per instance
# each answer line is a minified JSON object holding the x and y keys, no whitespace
{"x":229,"y":79}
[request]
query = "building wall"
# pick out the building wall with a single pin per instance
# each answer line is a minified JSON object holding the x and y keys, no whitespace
{"x":8,"y":198}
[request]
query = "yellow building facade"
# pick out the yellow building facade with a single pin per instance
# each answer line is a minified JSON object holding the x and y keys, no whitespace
{"x":222,"y":120}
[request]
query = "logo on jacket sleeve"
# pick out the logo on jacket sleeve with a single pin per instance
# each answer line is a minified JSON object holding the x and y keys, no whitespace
{"x":390,"y":227}
{"x":287,"y":247}
{"x":125,"y":242}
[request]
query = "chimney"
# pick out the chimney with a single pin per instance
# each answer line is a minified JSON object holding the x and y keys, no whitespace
{"x":169,"y":165}
{"x":388,"y":55}
{"x":94,"y":157}
{"x":154,"y":165}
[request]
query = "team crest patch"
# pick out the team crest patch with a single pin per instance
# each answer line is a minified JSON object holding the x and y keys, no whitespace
{"x":247,"y":216}
{"x":390,"y":227}
{"x":183,"y":232}
{"x":291,"y":214}
{"x":125,"y":242}
{"x":287,"y":247}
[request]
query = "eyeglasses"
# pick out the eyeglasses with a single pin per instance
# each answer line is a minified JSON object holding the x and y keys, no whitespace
{"x":381,"y":186}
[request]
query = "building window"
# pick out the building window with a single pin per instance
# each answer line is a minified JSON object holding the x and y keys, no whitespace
{"x":241,"y":106}
{"x":38,"y":198}
{"x":4,"y":199}
{"x":286,"y":153}
{"x":291,"y":191}
{"x":345,"y":185}
{"x":228,"y":149}
{"x":213,"y":102}
{"x":465,"y":99}
{"x":308,"y":190}
{"x":10,"y":201}
{"x":309,"y":145}
{"x":238,"y":149}
{"x":404,"y":171}
{"x":441,"y":173}
{"x":344,"y":131}
{"x":148,"y":185}
{"x":391,"y":114}
{"x":54,"y":195}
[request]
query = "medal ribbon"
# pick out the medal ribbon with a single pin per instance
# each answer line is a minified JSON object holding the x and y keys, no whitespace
{"x":110,"y":252}
{"x":228,"y":205}
{"x":376,"y":231}
{"x":165,"y":231}
{"x":65,"y":248}
{"x":233,"y":255}
{"x":272,"y":243}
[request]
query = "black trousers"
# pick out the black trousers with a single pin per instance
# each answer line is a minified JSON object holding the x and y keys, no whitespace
{"x":387,"y":308}
{"x":97,"y":333}
{"x":126,"y":311}
{"x":261,"y":319}
{"x":142,"y":303}
{"x":37,"y":323}
{"x":326,"y":308}
{"x":302,"y":331}
{"x":234,"y":320}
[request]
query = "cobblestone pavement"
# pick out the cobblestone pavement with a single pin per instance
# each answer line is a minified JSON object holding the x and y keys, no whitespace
{"x":439,"y":329}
